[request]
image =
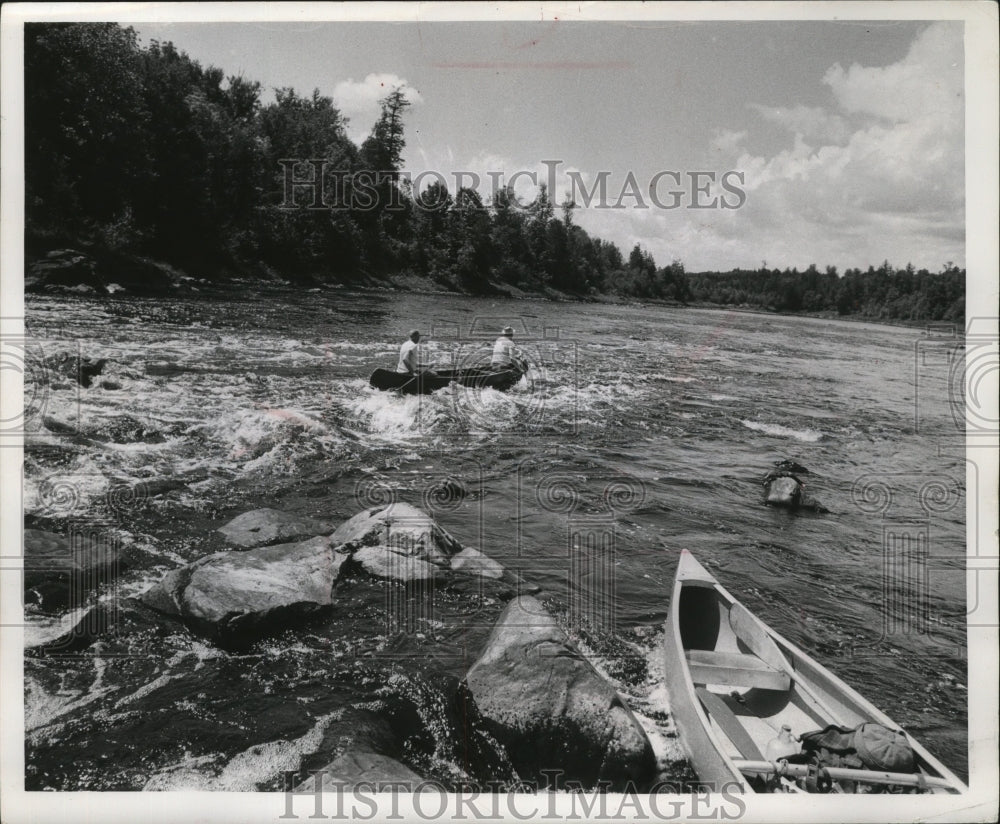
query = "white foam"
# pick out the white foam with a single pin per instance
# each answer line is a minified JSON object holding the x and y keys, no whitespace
{"x":256,"y":765}
{"x":43,"y":629}
{"x":806,"y":435}
{"x":160,"y":681}
{"x":42,"y":710}
{"x":646,"y":701}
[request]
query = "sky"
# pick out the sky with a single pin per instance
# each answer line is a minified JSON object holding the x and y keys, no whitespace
{"x":841,"y":143}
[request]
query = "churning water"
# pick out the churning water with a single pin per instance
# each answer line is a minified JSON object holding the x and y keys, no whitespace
{"x":641,"y":430}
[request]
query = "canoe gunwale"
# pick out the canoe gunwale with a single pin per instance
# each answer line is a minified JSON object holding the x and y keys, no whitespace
{"x":425,"y":383}
{"x":708,"y":756}
{"x":713,"y":766}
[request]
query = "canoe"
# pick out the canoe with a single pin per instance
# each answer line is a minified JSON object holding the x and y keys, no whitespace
{"x":734,"y":682}
{"x":481,"y":378}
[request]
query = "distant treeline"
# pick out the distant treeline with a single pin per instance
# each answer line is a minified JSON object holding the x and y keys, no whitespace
{"x":882,"y":293}
{"x":144,"y":150}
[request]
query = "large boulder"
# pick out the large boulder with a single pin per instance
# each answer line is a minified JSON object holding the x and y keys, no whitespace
{"x":551,"y":709}
{"x":400,"y":526}
{"x":262,"y":527}
{"x":235,"y":592}
{"x":60,"y":573}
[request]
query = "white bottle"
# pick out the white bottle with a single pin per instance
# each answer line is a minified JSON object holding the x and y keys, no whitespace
{"x":782,"y":746}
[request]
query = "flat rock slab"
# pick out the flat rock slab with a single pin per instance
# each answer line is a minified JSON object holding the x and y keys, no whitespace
{"x":404,"y":528}
{"x":473,"y":562}
{"x":237,"y":590}
{"x":385,"y":562}
{"x":262,"y":527}
{"x":551,"y":709}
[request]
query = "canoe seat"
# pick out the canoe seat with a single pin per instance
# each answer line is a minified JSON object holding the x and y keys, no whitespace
{"x":734,"y":669}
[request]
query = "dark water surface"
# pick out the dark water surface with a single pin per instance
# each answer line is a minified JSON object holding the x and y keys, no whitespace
{"x":639,"y":431}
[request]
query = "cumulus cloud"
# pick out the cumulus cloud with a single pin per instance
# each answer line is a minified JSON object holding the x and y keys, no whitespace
{"x":927,"y":83}
{"x":812,"y":122}
{"x":728,"y":141}
{"x":359,"y":100}
{"x":878,"y":174}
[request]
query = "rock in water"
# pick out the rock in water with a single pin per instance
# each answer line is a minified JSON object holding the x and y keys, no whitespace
{"x":60,"y":573}
{"x":401,"y":527}
{"x":471,"y":561}
{"x":551,"y":709}
{"x":235,"y":592}
{"x":784,"y":490}
{"x":369,"y":767}
{"x":262,"y":527}
{"x":385,"y":562}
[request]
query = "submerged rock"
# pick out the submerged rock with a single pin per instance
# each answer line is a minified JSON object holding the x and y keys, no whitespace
{"x":116,"y":618}
{"x":369,"y":767}
{"x":262,"y":527}
{"x":60,"y":573}
{"x":411,"y":725}
{"x":81,"y":370}
{"x":551,"y":709}
{"x":401,"y":527}
{"x":233,"y":592}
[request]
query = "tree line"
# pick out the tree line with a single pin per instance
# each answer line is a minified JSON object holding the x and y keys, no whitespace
{"x":882,"y":293}
{"x":143,"y":149}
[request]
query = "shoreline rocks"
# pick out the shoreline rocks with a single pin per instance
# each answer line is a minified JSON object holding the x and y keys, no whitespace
{"x":100,"y":271}
{"x":530,"y":703}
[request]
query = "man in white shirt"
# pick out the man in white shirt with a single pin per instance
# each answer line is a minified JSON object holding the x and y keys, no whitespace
{"x":504,"y":351}
{"x":409,"y":355}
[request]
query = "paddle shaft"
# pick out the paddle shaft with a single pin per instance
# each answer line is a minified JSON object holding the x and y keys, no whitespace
{"x":844,"y":774}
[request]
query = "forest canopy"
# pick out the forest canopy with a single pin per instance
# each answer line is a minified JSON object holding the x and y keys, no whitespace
{"x":144,"y":150}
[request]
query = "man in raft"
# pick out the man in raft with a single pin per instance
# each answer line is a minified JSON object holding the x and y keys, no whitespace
{"x":409,"y":356}
{"x":505,"y":354}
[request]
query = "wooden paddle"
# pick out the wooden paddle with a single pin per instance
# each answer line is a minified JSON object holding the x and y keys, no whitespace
{"x":844,"y":774}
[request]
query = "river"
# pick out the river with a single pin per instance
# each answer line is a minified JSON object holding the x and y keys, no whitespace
{"x":641,"y":430}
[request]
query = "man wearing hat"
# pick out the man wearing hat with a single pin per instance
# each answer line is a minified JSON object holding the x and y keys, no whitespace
{"x":504,"y":351}
{"x":409,"y":354}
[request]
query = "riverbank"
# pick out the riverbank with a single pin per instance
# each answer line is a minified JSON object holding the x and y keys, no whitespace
{"x":92,"y":270}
